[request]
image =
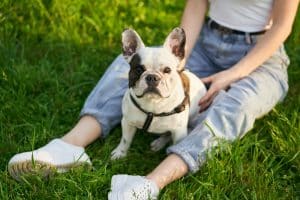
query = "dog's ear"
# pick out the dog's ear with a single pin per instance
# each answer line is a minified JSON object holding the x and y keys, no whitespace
{"x":131,"y":43}
{"x":175,"y":42}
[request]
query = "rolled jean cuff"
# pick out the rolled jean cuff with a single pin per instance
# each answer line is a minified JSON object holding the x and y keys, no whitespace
{"x":192,"y":164}
{"x":105,"y":129}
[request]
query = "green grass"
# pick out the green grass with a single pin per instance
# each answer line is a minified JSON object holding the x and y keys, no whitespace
{"x":53,"y":52}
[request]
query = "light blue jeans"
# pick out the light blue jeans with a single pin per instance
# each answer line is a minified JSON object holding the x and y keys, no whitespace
{"x":232,"y":112}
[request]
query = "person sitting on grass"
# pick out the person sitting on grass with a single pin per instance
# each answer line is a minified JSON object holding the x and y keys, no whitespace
{"x":237,"y":50}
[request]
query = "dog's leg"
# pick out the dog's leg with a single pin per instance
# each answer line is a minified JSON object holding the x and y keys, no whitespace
{"x":127,"y":136}
{"x":179,"y":134}
{"x":160,"y":142}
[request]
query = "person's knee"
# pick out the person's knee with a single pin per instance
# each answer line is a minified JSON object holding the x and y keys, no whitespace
{"x":230,"y":117}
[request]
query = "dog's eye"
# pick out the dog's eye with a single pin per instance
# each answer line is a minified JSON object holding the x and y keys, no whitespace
{"x":140,"y":69}
{"x":167,"y":70}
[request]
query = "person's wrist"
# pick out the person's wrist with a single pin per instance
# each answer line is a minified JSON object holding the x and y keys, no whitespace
{"x":238,"y":72}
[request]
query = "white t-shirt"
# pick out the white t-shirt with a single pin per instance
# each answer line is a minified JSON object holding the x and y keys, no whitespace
{"x":242,"y":15}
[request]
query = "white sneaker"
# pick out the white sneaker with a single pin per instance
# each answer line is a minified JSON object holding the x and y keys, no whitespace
{"x":126,"y":187}
{"x":57,"y":155}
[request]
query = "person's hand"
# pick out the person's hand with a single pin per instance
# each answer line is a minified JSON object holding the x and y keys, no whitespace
{"x":217,"y":82}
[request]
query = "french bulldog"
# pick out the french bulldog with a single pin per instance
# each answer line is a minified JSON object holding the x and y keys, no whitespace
{"x":162,"y":96}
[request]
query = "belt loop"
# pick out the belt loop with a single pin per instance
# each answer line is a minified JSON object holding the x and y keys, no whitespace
{"x":248,"y":38}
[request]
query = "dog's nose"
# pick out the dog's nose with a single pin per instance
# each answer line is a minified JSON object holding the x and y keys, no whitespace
{"x":152,"y":80}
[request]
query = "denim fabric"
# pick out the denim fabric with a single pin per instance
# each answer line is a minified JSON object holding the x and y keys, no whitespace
{"x":232,"y":112}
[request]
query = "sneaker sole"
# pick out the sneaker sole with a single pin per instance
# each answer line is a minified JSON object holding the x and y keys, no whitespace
{"x":28,"y":168}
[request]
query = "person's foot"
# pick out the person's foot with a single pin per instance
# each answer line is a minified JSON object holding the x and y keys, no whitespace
{"x":57,"y":155}
{"x":126,"y":187}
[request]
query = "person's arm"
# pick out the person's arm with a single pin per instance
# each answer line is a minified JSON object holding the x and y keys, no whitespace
{"x":192,"y":21}
{"x":283,"y":14}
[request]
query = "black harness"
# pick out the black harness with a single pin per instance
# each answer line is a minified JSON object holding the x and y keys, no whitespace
{"x":181,"y":107}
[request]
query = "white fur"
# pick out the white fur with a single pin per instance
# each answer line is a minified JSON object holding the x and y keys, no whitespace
{"x":172,"y":91}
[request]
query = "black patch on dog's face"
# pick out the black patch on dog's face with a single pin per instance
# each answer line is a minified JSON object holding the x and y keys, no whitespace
{"x":136,"y":70}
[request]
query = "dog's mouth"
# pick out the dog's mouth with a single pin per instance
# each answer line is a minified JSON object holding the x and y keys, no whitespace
{"x":150,"y":90}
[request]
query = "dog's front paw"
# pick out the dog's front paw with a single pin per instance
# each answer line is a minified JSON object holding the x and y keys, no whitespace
{"x":117,"y":154}
{"x":160,"y":143}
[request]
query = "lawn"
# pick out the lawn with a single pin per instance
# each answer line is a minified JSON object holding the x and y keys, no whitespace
{"x":53,"y":52}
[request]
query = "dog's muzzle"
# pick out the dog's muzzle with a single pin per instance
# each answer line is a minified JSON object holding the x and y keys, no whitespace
{"x":152,"y":81}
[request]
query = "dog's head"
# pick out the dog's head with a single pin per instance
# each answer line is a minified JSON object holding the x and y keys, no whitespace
{"x":153,"y":70}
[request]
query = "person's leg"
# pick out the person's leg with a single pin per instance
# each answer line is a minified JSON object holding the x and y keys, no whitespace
{"x":100,"y":113}
{"x":169,"y":170}
{"x":86,"y":131}
{"x":102,"y":109}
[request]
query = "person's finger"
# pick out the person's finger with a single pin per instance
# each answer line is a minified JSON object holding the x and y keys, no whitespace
{"x":207,"y":103}
{"x":204,"y":106}
{"x":207,"y":96}
{"x":204,"y":99}
{"x":207,"y":79}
